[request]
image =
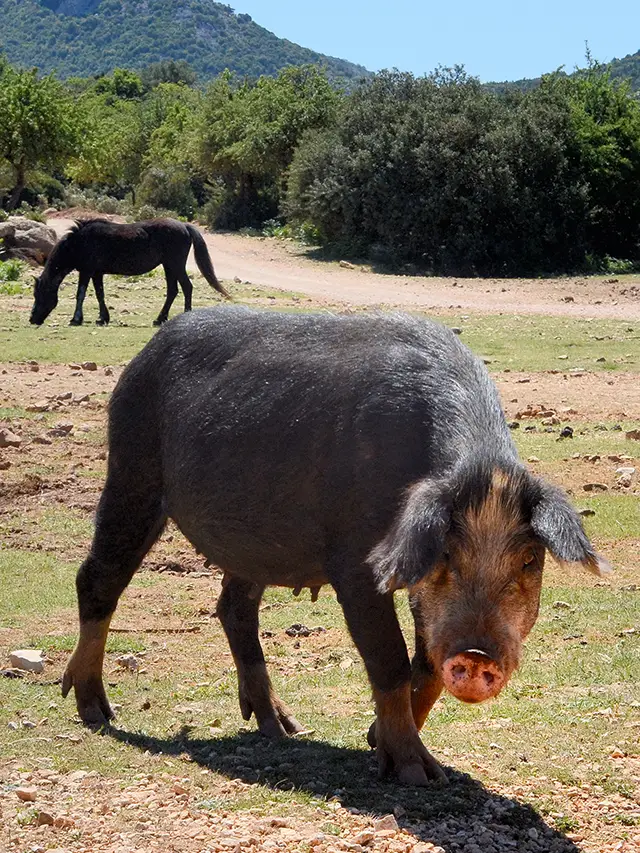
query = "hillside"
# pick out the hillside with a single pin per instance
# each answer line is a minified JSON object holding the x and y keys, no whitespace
{"x":626,"y":68}
{"x":87,"y":37}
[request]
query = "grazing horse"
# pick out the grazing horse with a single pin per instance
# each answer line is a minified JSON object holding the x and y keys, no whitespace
{"x":95,"y":247}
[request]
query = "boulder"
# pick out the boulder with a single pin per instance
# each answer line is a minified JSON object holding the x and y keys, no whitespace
{"x":26,"y":240}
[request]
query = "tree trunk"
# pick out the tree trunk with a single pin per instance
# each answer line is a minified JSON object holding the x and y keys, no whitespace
{"x":21,"y":180}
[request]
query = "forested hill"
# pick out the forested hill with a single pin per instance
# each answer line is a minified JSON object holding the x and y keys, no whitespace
{"x":86,"y":37}
{"x":627,"y":68}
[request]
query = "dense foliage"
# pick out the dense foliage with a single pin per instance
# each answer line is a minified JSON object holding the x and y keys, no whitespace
{"x":438,"y":172}
{"x":442,"y":172}
{"x":86,"y":37}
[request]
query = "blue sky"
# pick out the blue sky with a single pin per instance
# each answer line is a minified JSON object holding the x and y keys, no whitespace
{"x":494,"y":39}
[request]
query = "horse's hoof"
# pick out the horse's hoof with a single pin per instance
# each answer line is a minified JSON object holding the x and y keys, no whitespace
{"x":159,"y":321}
{"x":102,"y":322}
{"x":75,"y":322}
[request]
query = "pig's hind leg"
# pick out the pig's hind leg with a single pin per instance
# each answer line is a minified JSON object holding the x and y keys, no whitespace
{"x":373,"y":624}
{"x":130,"y":518}
{"x":238,"y":612}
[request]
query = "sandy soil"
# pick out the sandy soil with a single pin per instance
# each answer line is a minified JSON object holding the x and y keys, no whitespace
{"x":282,"y":265}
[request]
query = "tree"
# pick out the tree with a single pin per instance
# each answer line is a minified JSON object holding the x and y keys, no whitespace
{"x":40,"y":127}
{"x":248,"y":133}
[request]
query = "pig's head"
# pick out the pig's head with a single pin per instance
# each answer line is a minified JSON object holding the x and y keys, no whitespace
{"x":470,"y":547}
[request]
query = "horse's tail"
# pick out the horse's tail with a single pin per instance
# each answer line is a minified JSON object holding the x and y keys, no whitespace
{"x":203,"y":260}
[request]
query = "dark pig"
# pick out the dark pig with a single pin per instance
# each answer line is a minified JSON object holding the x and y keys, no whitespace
{"x":370,"y":453}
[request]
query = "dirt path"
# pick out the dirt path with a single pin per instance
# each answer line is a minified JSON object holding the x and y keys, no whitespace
{"x":282,"y":265}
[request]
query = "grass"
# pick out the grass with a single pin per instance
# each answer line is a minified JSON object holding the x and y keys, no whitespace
{"x":135,"y":301}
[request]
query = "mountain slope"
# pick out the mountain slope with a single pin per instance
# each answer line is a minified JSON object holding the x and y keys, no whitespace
{"x":627,"y":68}
{"x":86,"y":37}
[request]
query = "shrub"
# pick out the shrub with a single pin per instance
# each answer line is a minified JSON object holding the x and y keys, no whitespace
{"x":167,"y":188}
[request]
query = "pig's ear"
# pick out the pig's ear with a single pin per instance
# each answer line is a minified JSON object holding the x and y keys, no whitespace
{"x":558,"y":526}
{"x":416,"y":539}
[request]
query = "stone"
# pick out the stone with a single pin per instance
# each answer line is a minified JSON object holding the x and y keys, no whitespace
{"x":30,"y":660}
{"x":40,"y":406}
{"x":633,"y":434}
{"x":27,"y":795}
{"x":89,"y":365}
{"x":26,"y":239}
{"x":9,"y":439}
{"x":42,"y":439}
{"x":44,"y":819}
{"x":386,"y":822}
{"x":4,"y":464}
{"x":595,"y":487}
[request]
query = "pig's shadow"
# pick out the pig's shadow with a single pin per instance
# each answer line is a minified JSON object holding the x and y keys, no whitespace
{"x":437,"y":813}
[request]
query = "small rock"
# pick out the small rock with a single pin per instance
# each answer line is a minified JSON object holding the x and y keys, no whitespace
{"x":44,"y":819}
{"x":27,"y":795}
{"x":626,"y":470}
{"x":456,"y":330}
{"x":566,"y":432}
{"x":42,"y":439}
{"x":89,"y":365}
{"x":561,"y":605}
{"x":9,"y":439}
{"x":128,"y":662}
{"x":34,"y":368}
{"x":386,"y":822}
{"x":66,"y":396}
{"x":30,"y":660}
{"x":586,"y":512}
{"x":108,"y":371}
{"x":595,"y":487}
{"x":365,"y":837}
{"x":534,"y":459}
{"x":40,"y":406}
{"x":631,"y":434}
{"x":347,"y":265}
{"x":4,"y":464}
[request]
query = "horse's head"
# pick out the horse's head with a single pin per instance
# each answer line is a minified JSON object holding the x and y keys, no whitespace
{"x":46,"y":285}
{"x":45,"y":295}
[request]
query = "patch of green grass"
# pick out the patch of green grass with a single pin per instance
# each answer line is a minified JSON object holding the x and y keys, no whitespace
{"x":589,"y":439}
{"x":33,"y":583}
{"x":616,"y":516}
{"x":533,"y":342}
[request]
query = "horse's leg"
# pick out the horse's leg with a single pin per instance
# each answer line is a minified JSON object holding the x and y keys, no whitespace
{"x":187,"y":288}
{"x":98,"y":286}
{"x":83,"y":283}
{"x":172,"y":292}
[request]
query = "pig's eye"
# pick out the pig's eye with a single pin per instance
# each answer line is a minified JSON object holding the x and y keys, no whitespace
{"x":528,"y":560}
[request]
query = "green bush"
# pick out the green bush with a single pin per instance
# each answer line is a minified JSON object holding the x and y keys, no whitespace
{"x":441,"y":172}
{"x":167,"y":188}
{"x":11,"y":270}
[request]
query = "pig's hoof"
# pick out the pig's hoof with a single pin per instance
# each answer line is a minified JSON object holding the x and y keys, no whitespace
{"x":91,"y":700}
{"x":415,"y":766}
{"x":280,"y":723}
{"x":372,"y":740}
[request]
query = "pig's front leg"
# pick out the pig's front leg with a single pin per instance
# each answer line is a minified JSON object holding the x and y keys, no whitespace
{"x":372,"y":621}
{"x":426,"y":687}
{"x":426,"y":684}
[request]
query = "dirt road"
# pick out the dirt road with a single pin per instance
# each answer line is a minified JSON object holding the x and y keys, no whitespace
{"x":282,"y":265}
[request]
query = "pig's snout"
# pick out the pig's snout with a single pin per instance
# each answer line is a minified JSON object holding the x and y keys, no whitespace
{"x":472,"y":676}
